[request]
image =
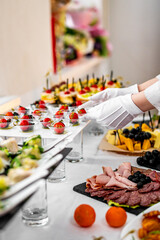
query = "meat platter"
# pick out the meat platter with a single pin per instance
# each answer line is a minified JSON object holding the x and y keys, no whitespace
{"x":133,"y":188}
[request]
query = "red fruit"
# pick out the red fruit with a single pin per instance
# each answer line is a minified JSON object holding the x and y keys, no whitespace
{"x":63,"y":108}
{"x":67,"y":92}
{"x":37,"y":113}
{"x":3,"y":123}
{"x":48,"y":91}
{"x":24,"y":125}
{"x":59,"y":114}
{"x":25,"y":117}
{"x":42,"y":106}
{"x":82,"y":111}
{"x":59,"y":127}
{"x":82,"y":92}
{"x":41,"y":102}
{"x":110,"y":83}
{"x":46,"y":122}
{"x":78,"y":103}
{"x":94,"y":86}
{"x":22,"y":110}
{"x":73,"y":117}
{"x":102,"y":88}
{"x":9,"y":114}
{"x":72,"y":89}
{"x":87,"y":89}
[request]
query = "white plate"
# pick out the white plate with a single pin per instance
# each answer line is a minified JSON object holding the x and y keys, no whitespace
{"x":136,"y":224}
{"x":12,"y":202}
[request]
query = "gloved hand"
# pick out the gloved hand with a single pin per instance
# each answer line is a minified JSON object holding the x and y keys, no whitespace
{"x":114,"y":113}
{"x":109,"y":93}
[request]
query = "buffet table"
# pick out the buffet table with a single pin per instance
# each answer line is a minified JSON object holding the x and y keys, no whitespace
{"x":62,"y":201}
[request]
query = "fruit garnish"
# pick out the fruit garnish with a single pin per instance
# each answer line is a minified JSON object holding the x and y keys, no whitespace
{"x":73,"y":117}
{"x":59,"y":127}
{"x":22,"y":110}
{"x":9,"y":114}
{"x":94,"y":86}
{"x":37,"y":113}
{"x":3,"y":123}
{"x":41,"y":102}
{"x":46,"y":122}
{"x":116,"y":216}
{"x":87,"y":89}
{"x":82,"y":92}
{"x":59,"y":114}
{"x":25,"y":117}
{"x":110,"y":83}
{"x":67,"y":92}
{"x":72,"y":89}
{"x":24,"y":125}
{"x":48,"y":91}
{"x":63,"y":108}
{"x":82,"y":111}
{"x":42,"y":106}
{"x":78,"y":103}
{"x":84,"y":215}
{"x":102,"y":88}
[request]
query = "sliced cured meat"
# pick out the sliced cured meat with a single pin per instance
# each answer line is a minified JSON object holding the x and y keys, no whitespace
{"x":153,"y":197}
{"x":102,"y":179}
{"x":157,"y":194}
{"x":91,"y":183}
{"x":155,"y":176}
{"x":156,"y":186}
{"x":144,"y":171}
{"x":125,"y":180}
{"x":123,"y":199}
{"x":145,"y":199}
{"x":115,"y":195}
{"x":147,"y":188}
{"x":124,"y":169}
{"x":108,"y":171}
{"x":134,"y":199}
{"x":115,"y":182}
{"x":126,"y":173}
{"x":101,"y":193}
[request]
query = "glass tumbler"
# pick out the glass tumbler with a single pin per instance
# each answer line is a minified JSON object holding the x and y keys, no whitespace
{"x":76,"y":155}
{"x":35,"y":211}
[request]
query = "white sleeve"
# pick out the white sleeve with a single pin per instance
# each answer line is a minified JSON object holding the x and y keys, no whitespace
{"x":152,"y":94}
{"x":158,"y":76}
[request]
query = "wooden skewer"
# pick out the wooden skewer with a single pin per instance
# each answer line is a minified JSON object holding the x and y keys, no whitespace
{"x":111,"y":75}
{"x":149,"y":113}
{"x":47,"y":83}
{"x":80,"y":83}
{"x":119,"y":137}
{"x":73,"y":82}
{"x":87,"y":79}
{"x":67,"y":83}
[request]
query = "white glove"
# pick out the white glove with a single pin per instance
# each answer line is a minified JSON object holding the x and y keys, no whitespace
{"x":109,"y":93}
{"x":114,"y":113}
{"x":158,"y":76}
{"x":152,"y":94}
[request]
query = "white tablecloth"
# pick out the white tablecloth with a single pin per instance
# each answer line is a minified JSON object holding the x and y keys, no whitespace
{"x":62,"y":201}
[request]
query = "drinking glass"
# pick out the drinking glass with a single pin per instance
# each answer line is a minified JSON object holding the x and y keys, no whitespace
{"x":35,"y":211}
{"x":58,"y":175}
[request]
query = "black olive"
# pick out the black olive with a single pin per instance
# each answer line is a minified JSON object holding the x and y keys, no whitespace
{"x":131,"y":135}
{"x":148,"y":180}
{"x":126,"y":131}
{"x":138,"y":129}
{"x":139,"y":184}
{"x":133,"y":130}
{"x":140,"y":161}
{"x":155,"y":152}
{"x":158,"y":167}
{"x":158,"y":157}
{"x":148,"y":155}
{"x":136,"y":174}
{"x":143,"y":175}
{"x":147,"y":135}
{"x":152,"y":161}
{"x":135,"y":179}
{"x":145,"y":159}
{"x":136,"y":137}
{"x":143,"y":181}
{"x":130,"y":177}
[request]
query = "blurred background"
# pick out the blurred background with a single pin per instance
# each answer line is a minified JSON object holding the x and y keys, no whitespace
{"x":75,"y":38}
